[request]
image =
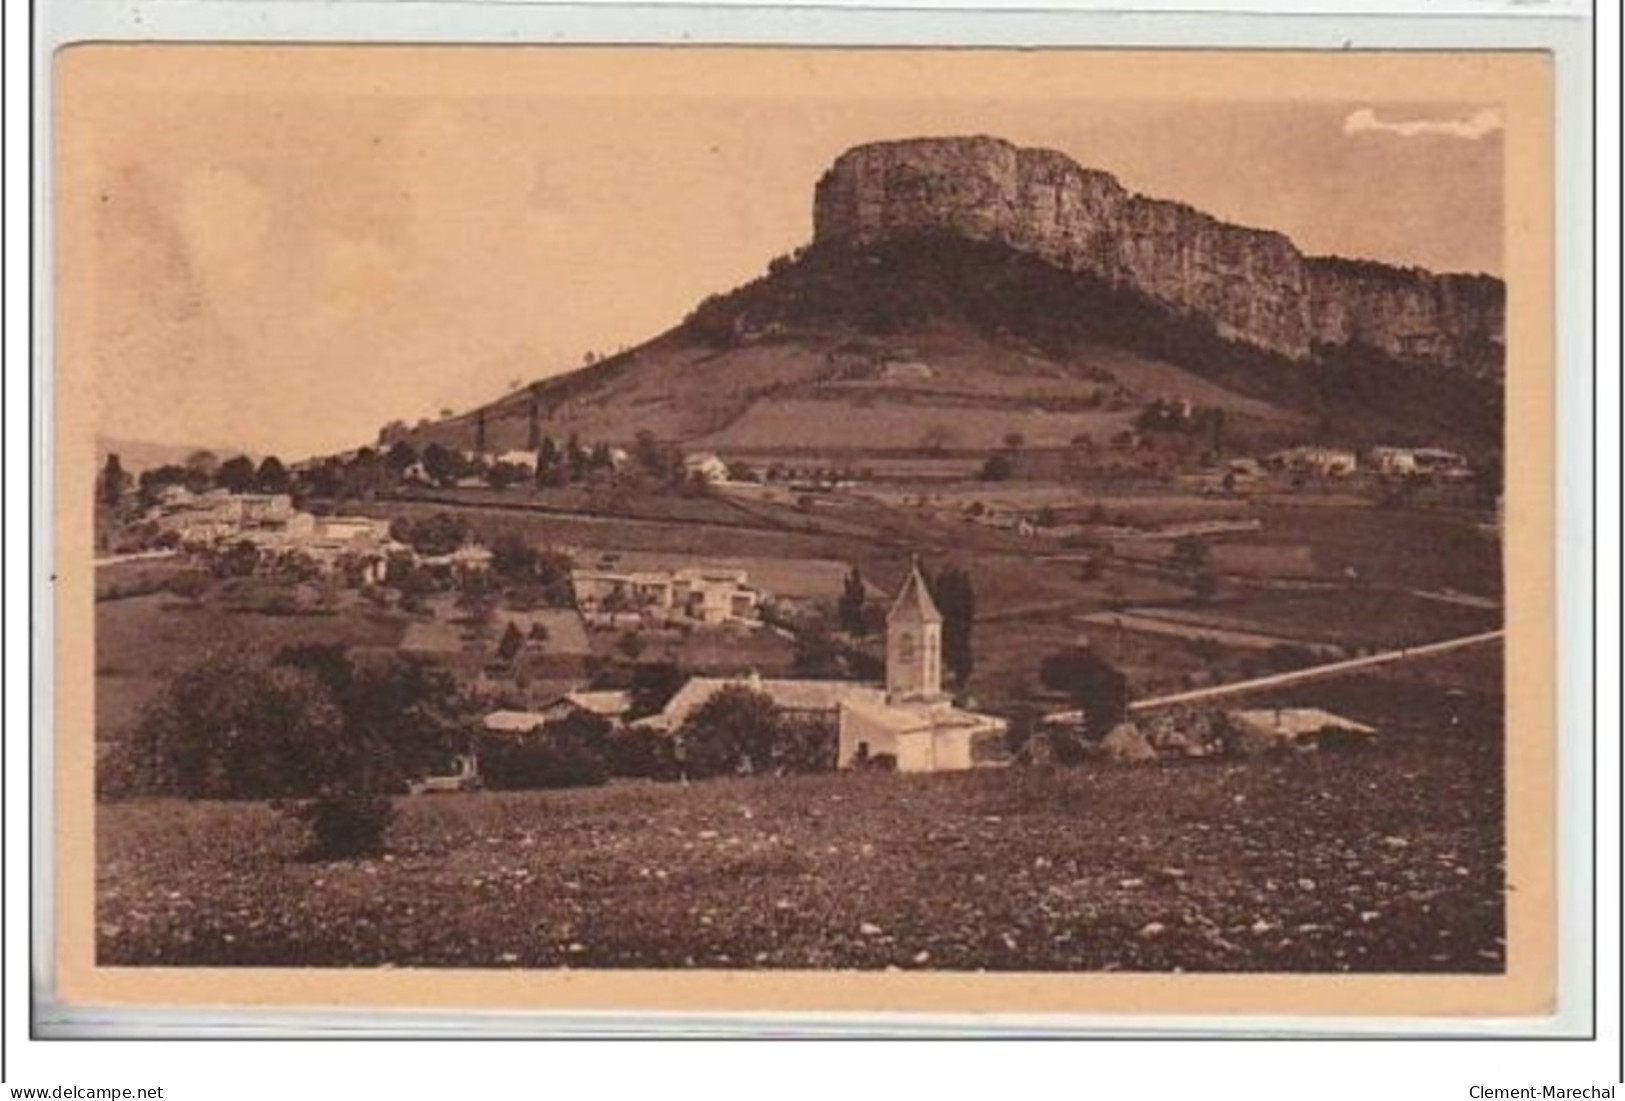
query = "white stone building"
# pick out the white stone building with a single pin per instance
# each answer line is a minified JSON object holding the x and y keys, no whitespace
{"x":914,"y":724}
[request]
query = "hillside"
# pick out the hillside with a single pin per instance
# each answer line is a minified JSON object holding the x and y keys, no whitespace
{"x":869,"y":347}
{"x":963,"y":290}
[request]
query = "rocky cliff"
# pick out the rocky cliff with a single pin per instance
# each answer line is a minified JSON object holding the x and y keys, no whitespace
{"x":1255,"y":286}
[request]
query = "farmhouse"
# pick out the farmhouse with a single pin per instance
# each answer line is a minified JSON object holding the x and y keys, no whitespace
{"x":611,"y":705}
{"x":1419,"y":460}
{"x":705,"y":466}
{"x":1323,"y":461}
{"x":810,"y":700}
{"x":706,"y":595}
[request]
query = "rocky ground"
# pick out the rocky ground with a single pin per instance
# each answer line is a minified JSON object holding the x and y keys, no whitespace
{"x":1386,"y":859}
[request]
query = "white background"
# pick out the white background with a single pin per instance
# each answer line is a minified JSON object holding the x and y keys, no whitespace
{"x":758,"y":1069}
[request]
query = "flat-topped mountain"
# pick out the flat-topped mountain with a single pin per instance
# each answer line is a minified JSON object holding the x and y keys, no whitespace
{"x":968,"y":290}
{"x":1254,"y":285}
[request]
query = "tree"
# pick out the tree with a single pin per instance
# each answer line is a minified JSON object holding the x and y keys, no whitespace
{"x":113,"y":482}
{"x":402,"y":718}
{"x":513,"y":641}
{"x":236,"y":475}
{"x":569,"y":752}
{"x":817,"y":654}
{"x":233,"y":727}
{"x":575,"y":456}
{"x":441,"y":464}
{"x":203,"y":465}
{"x":241,"y":559}
{"x":631,"y":646}
{"x":653,"y":685}
{"x":432,"y":536}
{"x":955,"y":598}
{"x":1094,"y":685}
{"x":997,"y":468}
{"x":850,"y":609}
{"x":272,"y":476}
{"x":504,"y":474}
{"x":400,"y":456}
{"x":733,"y":731}
{"x":648,"y":454}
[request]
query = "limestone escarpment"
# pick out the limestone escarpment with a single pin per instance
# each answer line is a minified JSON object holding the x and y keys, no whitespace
{"x":1255,"y":286}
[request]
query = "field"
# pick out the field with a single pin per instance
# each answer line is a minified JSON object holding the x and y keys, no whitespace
{"x":1279,"y":864}
{"x":853,"y":421}
{"x":141,"y":641}
{"x":1379,"y":619}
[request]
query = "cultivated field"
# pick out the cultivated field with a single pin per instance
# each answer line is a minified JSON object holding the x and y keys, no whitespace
{"x":1281,"y":864}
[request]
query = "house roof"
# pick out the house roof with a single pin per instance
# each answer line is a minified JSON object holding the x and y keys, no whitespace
{"x":914,"y":599}
{"x":792,"y":695}
{"x":514,"y":722}
{"x":610,"y":704}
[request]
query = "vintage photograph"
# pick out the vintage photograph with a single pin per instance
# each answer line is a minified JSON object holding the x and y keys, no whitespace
{"x":793,"y":514}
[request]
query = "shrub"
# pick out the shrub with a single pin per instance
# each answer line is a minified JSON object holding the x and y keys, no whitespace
{"x":540,"y":761}
{"x":640,"y":755}
{"x":1285,"y":657}
{"x":1094,"y":685}
{"x":188,"y":585}
{"x":344,"y":825}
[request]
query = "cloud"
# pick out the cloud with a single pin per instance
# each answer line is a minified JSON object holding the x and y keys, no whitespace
{"x":1365,"y":121}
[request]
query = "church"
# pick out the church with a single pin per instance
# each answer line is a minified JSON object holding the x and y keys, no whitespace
{"x":914,"y":724}
{"x":909,"y":723}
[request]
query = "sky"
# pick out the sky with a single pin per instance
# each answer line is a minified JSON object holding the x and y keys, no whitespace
{"x":284,"y":249}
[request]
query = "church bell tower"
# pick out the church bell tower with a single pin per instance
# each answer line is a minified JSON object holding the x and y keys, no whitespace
{"x":913,"y":643}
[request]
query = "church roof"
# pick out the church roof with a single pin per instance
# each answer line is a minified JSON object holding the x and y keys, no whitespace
{"x":915,"y":600}
{"x":789,"y":694}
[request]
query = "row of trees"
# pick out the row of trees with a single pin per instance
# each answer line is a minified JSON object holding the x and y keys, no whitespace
{"x":200,"y":473}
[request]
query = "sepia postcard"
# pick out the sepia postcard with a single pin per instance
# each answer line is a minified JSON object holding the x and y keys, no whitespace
{"x":763,"y":529}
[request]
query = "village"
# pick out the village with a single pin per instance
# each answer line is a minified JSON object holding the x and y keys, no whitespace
{"x":536,"y":635}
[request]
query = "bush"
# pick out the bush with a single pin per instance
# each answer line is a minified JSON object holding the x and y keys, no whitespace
{"x":641,"y":755}
{"x":570,"y":753}
{"x":1285,"y":657}
{"x":538,"y":762}
{"x":344,"y":825}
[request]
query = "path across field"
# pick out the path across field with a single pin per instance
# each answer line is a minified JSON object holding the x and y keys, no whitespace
{"x":1316,"y":672}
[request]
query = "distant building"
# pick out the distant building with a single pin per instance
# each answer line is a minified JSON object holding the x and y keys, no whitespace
{"x":1323,"y":461}
{"x":1392,"y":460}
{"x":914,"y":724}
{"x":906,"y":370}
{"x":811,"y":700}
{"x":610,"y":706}
{"x":708,"y":595}
{"x":1419,"y":460}
{"x":705,"y":466}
